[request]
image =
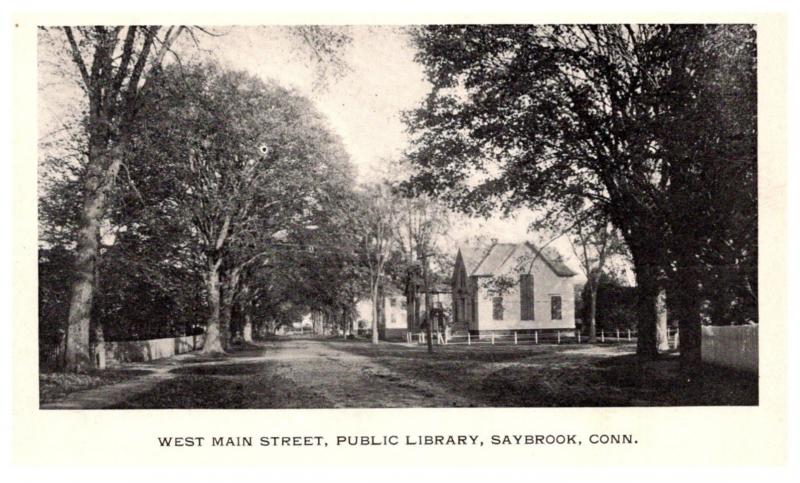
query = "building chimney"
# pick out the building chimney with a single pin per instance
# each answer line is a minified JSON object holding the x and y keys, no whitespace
{"x":494,"y":241}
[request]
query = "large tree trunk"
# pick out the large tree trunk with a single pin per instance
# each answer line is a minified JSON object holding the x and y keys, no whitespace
{"x":102,"y":169}
{"x":225,"y":311}
{"x":648,"y":252}
{"x":76,"y":351}
{"x":662,"y":333}
{"x":375,"y":312}
{"x":690,"y":324}
{"x":229,"y":288}
{"x":410,"y":304}
{"x":410,"y":310}
{"x":213,"y":341}
{"x":415,"y":313}
{"x":593,"y":313}
{"x":646,"y":311}
{"x":225,"y":315}
{"x":348,"y":322}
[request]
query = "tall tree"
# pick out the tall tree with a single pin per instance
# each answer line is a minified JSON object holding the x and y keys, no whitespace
{"x":378,"y":220}
{"x":421,"y":222}
{"x":244,"y":161}
{"x":114,"y":65}
{"x":594,"y":241}
{"x":547,"y":116}
{"x":709,"y":140}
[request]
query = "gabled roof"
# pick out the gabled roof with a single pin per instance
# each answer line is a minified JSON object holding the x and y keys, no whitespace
{"x":551,"y":256}
{"x":495,"y":258}
{"x":472,"y":257}
{"x":489,"y":260}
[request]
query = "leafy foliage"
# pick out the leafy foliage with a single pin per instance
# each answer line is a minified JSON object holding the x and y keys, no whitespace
{"x":651,"y":126}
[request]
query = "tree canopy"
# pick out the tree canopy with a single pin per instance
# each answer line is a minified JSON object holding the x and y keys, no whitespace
{"x":620,"y":119}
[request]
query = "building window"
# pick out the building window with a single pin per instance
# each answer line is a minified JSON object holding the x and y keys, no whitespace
{"x":526,"y":296}
{"x":392,"y":301}
{"x":497,"y":308}
{"x":555,"y":307}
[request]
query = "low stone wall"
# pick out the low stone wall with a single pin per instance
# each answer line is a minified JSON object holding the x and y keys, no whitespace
{"x":734,"y":346}
{"x":115,"y":353}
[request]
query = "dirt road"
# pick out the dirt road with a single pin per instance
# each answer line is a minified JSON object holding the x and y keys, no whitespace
{"x":294,"y":373}
{"x":328,"y":373}
{"x":353,"y":381}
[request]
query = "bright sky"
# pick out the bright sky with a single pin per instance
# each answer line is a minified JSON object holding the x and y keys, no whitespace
{"x":364,"y":105}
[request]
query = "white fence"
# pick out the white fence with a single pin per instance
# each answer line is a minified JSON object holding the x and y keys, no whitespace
{"x":112,"y":353}
{"x":535,"y":337}
{"x":734,"y":346}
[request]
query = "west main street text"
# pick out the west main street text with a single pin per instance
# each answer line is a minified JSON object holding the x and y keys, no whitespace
{"x":396,"y":440}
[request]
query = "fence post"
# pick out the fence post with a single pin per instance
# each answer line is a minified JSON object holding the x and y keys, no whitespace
{"x":558,"y":336}
{"x":629,"y":335}
{"x":536,"y":336}
{"x":492,"y":338}
{"x":515,"y":337}
{"x":602,"y":336}
{"x":617,"y":335}
{"x":469,"y":339}
{"x":579,"y":337}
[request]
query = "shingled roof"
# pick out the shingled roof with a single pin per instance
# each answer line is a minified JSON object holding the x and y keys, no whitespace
{"x":489,"y":260}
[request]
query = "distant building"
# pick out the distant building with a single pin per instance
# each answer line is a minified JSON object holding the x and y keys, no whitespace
{"x":393,"y":325}
{"x":512,"y":287}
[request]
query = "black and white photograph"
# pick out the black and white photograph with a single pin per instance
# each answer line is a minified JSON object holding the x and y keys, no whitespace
{"x":443,"y":215}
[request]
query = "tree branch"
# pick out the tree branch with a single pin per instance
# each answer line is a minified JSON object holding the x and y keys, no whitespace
{"x":76,"y":57}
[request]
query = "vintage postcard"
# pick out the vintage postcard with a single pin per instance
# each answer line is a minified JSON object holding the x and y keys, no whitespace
{"x":502,"y":240}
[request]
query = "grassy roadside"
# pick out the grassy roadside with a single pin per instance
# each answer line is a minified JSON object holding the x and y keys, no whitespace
{"x":561,"y":376}
{"x":229,"y":386}
{"x":57,"y":385}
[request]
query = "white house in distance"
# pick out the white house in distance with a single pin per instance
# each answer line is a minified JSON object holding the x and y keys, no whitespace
{"x":396,"y":326}
{"x":538,"y":295}
{"x":395,"y":323}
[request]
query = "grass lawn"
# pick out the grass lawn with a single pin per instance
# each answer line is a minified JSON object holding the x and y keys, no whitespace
{"x":56,"y":385}
{"x":567,"y":375}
